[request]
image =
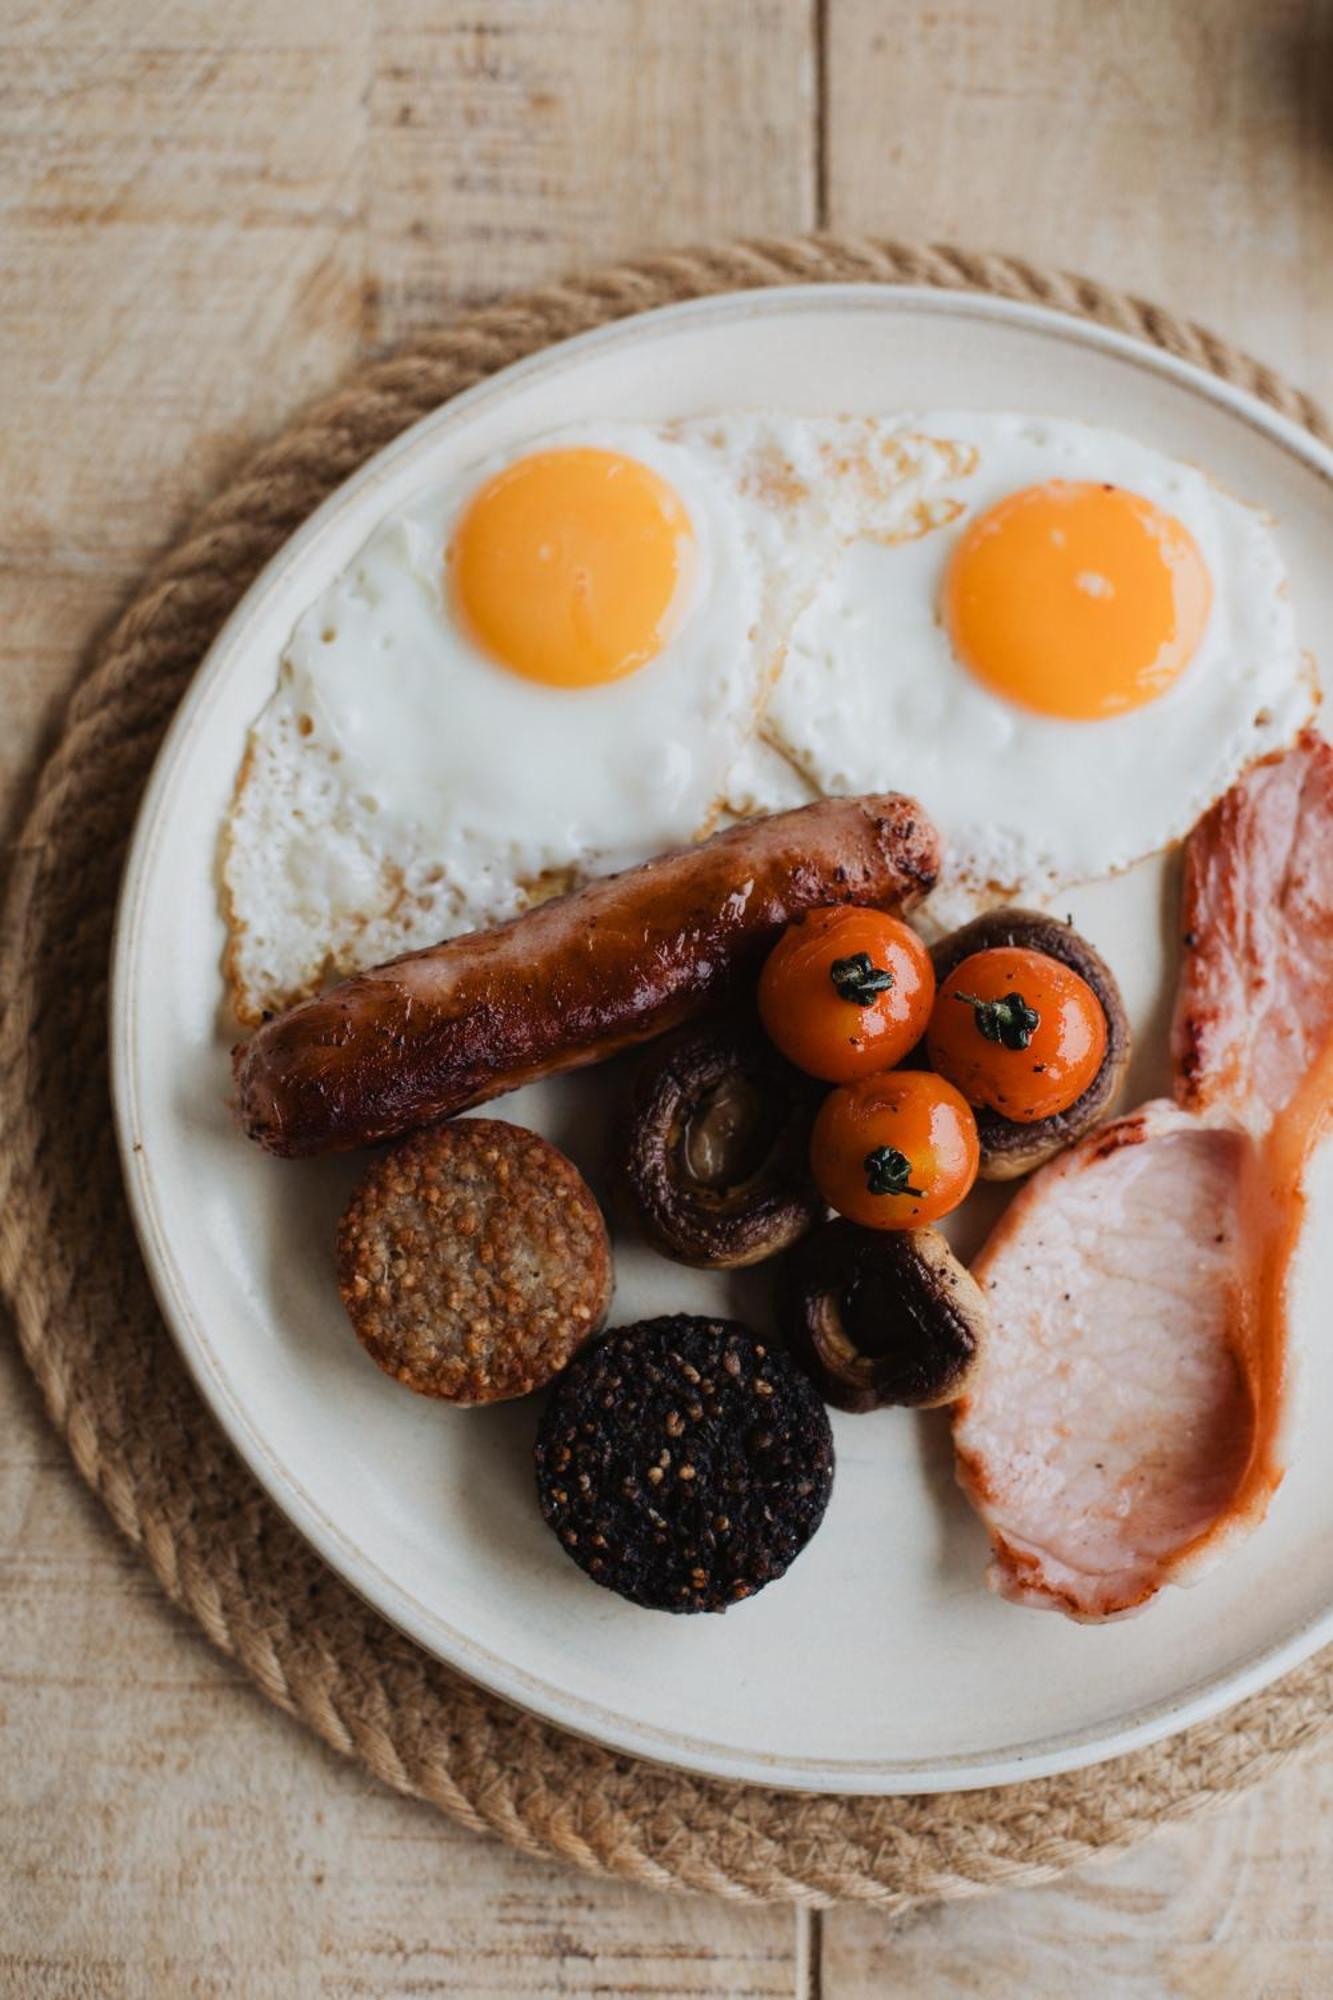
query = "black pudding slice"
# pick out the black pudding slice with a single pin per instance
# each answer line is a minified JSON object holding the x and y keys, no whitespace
{"x":683,"y":1463}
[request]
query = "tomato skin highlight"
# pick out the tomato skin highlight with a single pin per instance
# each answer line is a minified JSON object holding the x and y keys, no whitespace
{"x":978,"y":1035}
{"x":905,"y":1125}
{"x":823,"y":998}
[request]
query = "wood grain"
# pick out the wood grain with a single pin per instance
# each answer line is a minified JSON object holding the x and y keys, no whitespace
{"x":1184,"y":152}
{"x":208,"y":213}
{"x":1231,"y":1911}
{"x":181,"y":267}
{"x":511,"y":142}
{"x":166,"y":1832}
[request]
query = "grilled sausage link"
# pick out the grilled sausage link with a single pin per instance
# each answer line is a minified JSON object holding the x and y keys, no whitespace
{"x":570,"y":982}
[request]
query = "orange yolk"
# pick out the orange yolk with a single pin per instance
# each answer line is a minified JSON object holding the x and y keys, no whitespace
{"x":567,"y":565}
{"x":1077,"y":600}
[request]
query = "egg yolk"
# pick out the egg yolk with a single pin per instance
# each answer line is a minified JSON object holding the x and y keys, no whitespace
{"x":567,"y":566}
{"x":1077,"y":600}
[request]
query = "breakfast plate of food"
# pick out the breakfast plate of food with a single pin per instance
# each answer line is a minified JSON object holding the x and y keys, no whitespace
{"x":722,"y":1022}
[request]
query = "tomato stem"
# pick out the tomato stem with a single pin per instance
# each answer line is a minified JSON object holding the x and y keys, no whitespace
{"x":859,"y":980}
{"x":887,"y":1170}
{"x":1010,"y":1022}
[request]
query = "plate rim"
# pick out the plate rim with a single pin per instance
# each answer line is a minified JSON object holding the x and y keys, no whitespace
{"x":659,"y":1745}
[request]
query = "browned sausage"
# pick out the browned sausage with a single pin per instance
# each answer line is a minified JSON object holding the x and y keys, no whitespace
{"x":568,"y":983}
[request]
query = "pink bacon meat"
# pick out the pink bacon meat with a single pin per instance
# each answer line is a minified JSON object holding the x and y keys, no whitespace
{"x":1127,"y":1422}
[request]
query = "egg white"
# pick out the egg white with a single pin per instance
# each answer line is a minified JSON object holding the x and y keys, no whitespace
{"x":871,"y":694}
{"x":401,"y":786}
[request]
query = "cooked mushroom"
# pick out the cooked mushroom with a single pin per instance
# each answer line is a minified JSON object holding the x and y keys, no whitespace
{"x":880,"y":1316}
{"x":1007,"y":1147}
{"x":712,"y":1156}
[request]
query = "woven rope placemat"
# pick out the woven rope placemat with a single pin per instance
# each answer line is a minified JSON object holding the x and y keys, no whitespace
{"x":117,"y":1390}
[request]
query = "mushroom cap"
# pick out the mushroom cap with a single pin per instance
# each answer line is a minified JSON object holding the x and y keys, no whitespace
{"x":879,"y":1316}
{"x":712,"y":1155}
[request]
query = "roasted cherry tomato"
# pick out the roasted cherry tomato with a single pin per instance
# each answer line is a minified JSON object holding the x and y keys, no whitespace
{"x":846,"y":991}
{"x":895,"y":1150}
{"x":1018,"y":1032}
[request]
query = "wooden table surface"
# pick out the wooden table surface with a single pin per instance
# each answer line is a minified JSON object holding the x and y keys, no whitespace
{"x":208,"y":212}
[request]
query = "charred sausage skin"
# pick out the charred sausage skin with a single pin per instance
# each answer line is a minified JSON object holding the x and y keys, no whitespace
{"x":568,"y":983}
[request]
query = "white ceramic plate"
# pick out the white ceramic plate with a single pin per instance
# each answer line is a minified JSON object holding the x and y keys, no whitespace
{"x":880,"y":1663}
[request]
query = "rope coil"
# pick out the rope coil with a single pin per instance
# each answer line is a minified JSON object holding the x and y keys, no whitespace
{"x":117,"y":1390}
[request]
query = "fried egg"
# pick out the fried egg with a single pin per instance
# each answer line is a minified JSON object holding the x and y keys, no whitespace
{"x":549,"y":669}
{"x":1066,"y":674}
